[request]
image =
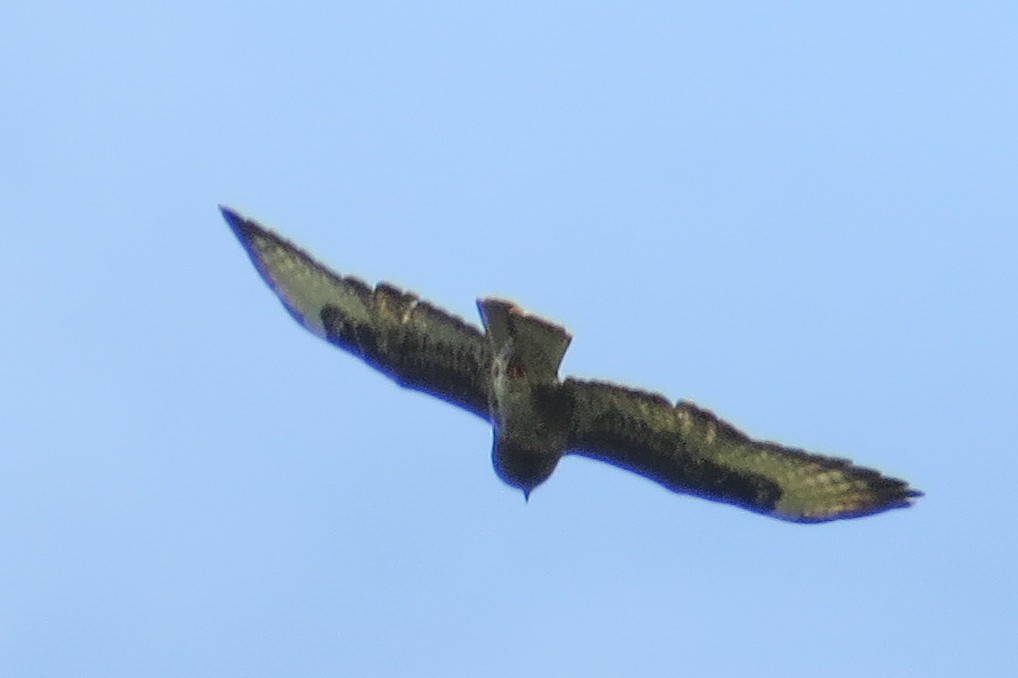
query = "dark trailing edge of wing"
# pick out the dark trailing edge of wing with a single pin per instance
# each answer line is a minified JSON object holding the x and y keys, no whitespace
{"x":619,"y":436}
{"x":454,"y":364}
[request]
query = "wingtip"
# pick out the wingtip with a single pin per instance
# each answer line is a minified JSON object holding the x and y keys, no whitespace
{"x":906,"y":495}
{"x":245,"y":229}
{"x":232,"y":217}
{"x":891,"y":493}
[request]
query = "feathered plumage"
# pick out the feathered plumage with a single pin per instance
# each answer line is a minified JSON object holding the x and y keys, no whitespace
{"x":508,"y":375}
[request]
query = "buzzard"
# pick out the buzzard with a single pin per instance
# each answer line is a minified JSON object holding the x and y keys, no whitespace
{"x":507,"y":374}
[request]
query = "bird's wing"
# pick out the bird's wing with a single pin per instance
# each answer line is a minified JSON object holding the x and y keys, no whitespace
{"x":688,"y":449}
{"x":416,"y":344}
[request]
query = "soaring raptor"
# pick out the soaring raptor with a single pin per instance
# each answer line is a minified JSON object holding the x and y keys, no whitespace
{"x":508,"y":376}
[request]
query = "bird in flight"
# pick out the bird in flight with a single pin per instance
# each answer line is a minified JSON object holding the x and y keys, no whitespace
{"x":507,"y":375}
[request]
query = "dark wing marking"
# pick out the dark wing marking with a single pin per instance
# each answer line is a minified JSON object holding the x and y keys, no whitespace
{"x":688,"y":449}
{"x":415,"y":343}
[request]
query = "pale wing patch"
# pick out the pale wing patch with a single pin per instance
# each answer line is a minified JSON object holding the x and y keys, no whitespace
{"x":302,"y":284}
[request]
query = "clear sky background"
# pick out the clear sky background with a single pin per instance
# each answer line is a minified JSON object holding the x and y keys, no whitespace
{"x":800,"y":216}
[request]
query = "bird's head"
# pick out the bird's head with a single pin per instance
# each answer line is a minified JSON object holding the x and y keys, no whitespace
{"x":521,"y":467}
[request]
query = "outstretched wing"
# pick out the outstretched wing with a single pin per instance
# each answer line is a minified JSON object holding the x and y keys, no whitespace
{"x":416,"y":344}
{"x":688,"y":449}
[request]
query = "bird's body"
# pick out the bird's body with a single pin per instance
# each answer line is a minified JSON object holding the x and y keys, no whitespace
{"x":508,"y":375}
{"x":530,"y":415}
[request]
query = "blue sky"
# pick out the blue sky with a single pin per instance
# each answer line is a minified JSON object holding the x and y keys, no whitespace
{"x":801,"y":217}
